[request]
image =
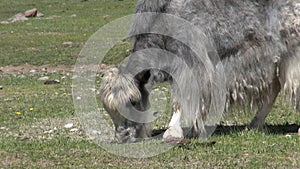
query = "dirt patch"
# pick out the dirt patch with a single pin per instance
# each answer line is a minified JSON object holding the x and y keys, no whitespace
{"x":28,"y":68}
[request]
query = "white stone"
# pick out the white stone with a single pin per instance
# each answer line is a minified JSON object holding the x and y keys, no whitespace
{"x":44,"y":78}
{"x":69,"y":125}
{"x":74,"y":129}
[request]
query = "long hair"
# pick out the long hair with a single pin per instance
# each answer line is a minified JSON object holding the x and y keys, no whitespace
{"x":257,"y":44}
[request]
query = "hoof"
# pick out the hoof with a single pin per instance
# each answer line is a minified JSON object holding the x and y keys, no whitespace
{"x":173,"y":134}
{"x":254,"y":125}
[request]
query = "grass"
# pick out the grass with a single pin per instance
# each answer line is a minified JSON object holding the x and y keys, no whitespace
{"x":40,"y":41}
{"x":37,"y":138}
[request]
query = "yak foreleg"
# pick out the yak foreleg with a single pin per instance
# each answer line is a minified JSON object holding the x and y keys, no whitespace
{"x":174,"y":131}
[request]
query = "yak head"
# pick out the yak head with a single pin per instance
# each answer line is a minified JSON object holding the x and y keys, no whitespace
{"x":118,"y":91}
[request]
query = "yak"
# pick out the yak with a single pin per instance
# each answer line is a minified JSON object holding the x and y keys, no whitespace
{"x":242,"y":54}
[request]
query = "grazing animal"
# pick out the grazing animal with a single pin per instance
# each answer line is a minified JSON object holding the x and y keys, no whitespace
{"x":254,"y":52}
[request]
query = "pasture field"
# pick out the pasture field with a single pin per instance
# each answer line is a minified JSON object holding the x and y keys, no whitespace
{"x":33,"y":115}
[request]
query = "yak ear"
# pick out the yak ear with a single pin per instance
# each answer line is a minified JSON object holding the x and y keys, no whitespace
{"x":118,"y":89}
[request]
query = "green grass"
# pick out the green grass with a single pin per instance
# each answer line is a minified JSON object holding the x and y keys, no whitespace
{"x":39,"y":41}
{"x":38,"y":139}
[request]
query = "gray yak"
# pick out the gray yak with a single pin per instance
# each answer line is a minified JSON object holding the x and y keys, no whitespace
{"x":215,"y":54}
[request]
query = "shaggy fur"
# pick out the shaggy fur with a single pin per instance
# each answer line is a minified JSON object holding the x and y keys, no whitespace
{"x":256,"y":41}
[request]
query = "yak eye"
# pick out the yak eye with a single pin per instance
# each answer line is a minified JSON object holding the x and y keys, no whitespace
{"x":133,"y":103}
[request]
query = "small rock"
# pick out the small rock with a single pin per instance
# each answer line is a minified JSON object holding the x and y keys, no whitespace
{"x":50,"y":82}
{"x":48,"y":132}
{"x":93,"y":89}
{"x":44,"y":69}
{"x":288,"y":135}
{"x":1,"y":87}
{"x":39,"y":14}
{"x":31,"y":13}
{"x":68,"y":44}
{"x":74,"y":129}
{"x":74,"y":15}
{"x":32,"y":71}
{"x":69,"y":125}
{"x":299,"y":132}
{"x":78,"y":98}
{"x":105,"y":17}
{"x":96,"y":132}
{"x":44,"y":78}
{"x":4,"y":23}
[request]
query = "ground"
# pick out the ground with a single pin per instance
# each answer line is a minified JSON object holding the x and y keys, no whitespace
{"x":38,"y":126}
